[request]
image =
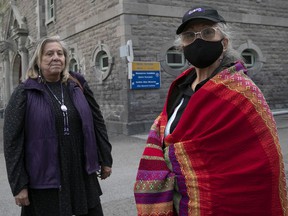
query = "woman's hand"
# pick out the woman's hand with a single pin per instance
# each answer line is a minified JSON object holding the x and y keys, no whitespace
{"x":105,"y":172}
{"x":22,"y":199}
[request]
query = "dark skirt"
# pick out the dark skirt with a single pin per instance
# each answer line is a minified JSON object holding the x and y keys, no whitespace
{"x":51,"y":207}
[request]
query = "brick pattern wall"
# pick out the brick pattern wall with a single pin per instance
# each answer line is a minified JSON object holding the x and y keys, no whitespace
{"x":151,"y":24}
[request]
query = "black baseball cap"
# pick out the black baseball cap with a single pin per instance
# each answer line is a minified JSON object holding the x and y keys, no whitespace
{"x":200,"y":12}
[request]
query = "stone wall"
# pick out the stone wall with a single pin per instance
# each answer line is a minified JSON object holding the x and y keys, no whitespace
{"x":261,"y":22}
{"x":150,"y":25}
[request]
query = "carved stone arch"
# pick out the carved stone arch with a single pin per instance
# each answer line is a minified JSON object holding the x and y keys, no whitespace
{"x":16,"y":23}
{"x":74,"y":63}
{"x":15,"y":37}
{"x":99,"y":51}
{"x":76,"y":59}
{"x":163,"y":60}
{"x":256,"y":52}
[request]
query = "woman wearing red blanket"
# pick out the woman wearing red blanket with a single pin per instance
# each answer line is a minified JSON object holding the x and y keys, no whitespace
{"x":214,"y":149}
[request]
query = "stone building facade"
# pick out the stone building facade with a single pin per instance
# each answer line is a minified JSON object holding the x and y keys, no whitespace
{"x":97,"y":33}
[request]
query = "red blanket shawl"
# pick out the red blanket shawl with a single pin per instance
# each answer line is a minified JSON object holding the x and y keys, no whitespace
{"x":223,"y":158}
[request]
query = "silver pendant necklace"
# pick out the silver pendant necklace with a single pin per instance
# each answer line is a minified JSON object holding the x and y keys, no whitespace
{"x":63,"y":107}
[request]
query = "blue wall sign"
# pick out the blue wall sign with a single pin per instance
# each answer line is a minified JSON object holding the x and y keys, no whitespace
{"x":145,"y":75}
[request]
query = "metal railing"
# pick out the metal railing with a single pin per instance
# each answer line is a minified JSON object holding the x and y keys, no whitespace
{"x":280,"y":112}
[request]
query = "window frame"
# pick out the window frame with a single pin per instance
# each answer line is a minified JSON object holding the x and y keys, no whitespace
{"x":175,"y":65}
{"x":103,"y":55}
{"x":102,"y":51}
{"x":259,"y":58}
{"x":248,"y":53}
{"x":50,"y":6}
{"x":174,"y":71}
{"x":74,"y":65}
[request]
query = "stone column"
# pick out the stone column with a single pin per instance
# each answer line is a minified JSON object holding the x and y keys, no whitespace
{"x":23,"y":51}
{"x":24,"y":61}
{"x":7,"y":69}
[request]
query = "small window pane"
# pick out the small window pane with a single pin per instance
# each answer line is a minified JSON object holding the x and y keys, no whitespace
{"x":52,"y":12}
{"x":175,"y":59}
{"x":50,"y":9}
{"x":73,"y":66}
{"x":103,"y":61}
{"x":249,"y":58}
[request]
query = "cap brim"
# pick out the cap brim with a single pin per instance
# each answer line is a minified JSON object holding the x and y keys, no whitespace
{"x":183,"y":25}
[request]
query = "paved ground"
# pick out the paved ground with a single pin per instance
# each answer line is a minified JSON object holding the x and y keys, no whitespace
{"x":118,"y":197}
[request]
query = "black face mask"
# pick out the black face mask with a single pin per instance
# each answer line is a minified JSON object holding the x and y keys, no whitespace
{"x":202,"y":54}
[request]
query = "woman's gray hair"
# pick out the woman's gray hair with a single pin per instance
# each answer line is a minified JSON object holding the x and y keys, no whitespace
{"x":230,"y":55}
{"x":34,"y":70}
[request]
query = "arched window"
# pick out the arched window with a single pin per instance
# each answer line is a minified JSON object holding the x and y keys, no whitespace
{"x":103,"y":61}
{"x":249,"y":56}
{"x":175,"y":58}
{"x":253,"y":56}
{"x":172,"y":60}
{"x":73,"y":65}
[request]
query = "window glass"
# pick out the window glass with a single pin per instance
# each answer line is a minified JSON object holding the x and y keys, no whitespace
{"x":73,"y":66}
{"x":103,"y":61}
{"x":175,"y":58}
{"x":249,"y":58}
{"x":50,"y":10}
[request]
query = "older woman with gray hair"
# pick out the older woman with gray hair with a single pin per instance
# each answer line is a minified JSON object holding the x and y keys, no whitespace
{"x":214,"y":148}
{"x":55,"y":139}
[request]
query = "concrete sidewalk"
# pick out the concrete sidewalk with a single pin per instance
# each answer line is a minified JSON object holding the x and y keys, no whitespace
{"x":118,"y":196}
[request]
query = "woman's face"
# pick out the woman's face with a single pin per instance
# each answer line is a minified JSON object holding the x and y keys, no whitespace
{"x":52,"y":61}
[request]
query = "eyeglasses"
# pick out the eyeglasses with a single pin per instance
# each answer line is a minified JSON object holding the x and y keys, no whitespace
{"x":206,"y":34}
